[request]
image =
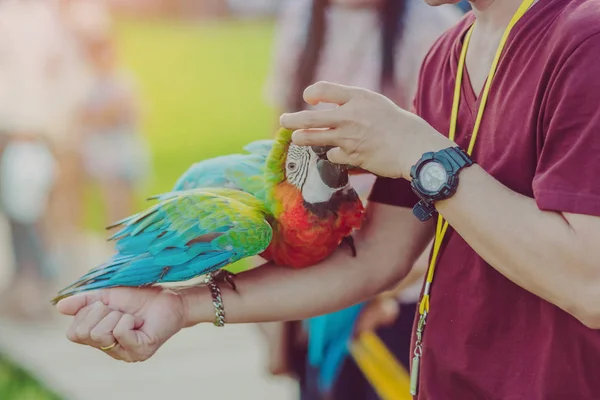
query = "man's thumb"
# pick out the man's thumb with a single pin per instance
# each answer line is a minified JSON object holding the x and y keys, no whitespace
{"x":72,"y":305}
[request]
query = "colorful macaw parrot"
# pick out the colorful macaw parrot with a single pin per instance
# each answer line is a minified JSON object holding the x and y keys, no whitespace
{"x":295,"y":212}
{"x":329,"y":334}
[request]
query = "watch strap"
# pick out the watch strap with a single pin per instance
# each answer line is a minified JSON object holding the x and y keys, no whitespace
{"x":457,"y":157}
{"x":423,"y":210}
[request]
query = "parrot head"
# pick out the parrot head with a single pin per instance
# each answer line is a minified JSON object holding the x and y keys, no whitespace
{"x":309,"y":171}
{"x":311,"y":200}
{"x":302,"y":176}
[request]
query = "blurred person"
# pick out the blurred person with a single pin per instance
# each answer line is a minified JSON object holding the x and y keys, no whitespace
{"x":27,"y":173}
{"x":45,"y":79}
{"x":78,"y":22}
{"x":66,"y":208}
{"x":115,"y":154}
{"x":30,"y":99}
{"x":375,"y":44}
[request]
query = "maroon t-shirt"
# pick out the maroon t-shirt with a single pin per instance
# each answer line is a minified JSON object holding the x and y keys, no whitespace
{"x":486,"y":337}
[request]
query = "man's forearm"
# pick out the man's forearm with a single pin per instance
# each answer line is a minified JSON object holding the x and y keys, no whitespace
{"x":538,"y":250}
{"x":417,"y":273}
{"x":274,"y":293}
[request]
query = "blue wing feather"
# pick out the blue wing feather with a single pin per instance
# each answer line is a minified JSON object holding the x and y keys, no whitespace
{"x":191,"y":234}
{"x":260,"y":147}
{"x":239,"y":171}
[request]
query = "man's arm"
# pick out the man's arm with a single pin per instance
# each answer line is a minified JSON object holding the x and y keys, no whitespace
{"x":553,"y":255}
{"x":417,"y":273}
{"x":387,"y":246}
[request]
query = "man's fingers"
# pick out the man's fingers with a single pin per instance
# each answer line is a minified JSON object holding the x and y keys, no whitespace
{"x":310,"y":119}
{"x":327,"y":92}
{"x":79,"y":317}
{"x":338,"y":156}
{"x":315,"y":137}
{"x":72,"y":305}
{"x":85,"y":321}
{"x":102,"y":334}
{"x":125,"y":331}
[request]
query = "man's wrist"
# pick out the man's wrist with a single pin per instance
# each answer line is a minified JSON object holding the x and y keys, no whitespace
{"x":435,"y":142}
{"x":197,"y":306}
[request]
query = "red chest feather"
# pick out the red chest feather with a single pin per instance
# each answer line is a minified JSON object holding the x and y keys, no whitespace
{"x":304,"y":235}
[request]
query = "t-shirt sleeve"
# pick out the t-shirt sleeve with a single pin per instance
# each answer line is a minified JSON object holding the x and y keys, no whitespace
{"x":567,"y":177}
{"x":393,"y":192}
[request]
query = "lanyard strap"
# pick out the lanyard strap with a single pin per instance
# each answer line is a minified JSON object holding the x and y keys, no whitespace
{"x":442,"y":225}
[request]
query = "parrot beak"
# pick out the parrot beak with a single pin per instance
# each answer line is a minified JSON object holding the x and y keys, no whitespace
{"x":321,"y":151}
{"x":333,"y":175}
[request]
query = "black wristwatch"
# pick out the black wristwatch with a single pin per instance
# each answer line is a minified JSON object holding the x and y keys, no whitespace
{"x":435,"y":177}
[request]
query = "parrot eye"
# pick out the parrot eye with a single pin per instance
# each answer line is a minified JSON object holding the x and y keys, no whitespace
{"x":292,"y":166}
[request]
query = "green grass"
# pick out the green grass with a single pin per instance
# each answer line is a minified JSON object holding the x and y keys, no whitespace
{"x":201,"y":87}
{"x":18,"y":384}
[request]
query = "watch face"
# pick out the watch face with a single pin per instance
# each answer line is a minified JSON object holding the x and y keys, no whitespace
{"x":432,"y":176}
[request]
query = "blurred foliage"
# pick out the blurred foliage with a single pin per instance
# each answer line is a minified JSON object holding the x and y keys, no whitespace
{"x":18,"y":384}
{"x":201,"y":88}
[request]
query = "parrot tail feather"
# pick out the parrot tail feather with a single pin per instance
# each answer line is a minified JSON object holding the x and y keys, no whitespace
{"x":157,"y":197}
{"x":130,"y":221}
{"x":164,"y":196}
{"x":59,"y":298}
{"x":97,"y":278}
{"x":134,"y":270}
{"x":121,"y":222}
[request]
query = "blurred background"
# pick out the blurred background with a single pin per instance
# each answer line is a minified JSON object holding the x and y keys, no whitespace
{"x":102,"y":104}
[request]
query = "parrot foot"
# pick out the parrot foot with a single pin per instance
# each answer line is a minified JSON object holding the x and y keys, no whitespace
{"x":349,"y":241}
{"x":225,"y":277}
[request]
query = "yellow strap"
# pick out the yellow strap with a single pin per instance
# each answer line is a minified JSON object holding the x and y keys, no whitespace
{"x":379,"y":366}
{"x":442,"y":225}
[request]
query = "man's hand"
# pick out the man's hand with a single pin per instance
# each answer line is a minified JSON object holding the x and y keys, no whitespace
{"x":367,"y":130}
{"x":381,"y":311}
{"x":138,"y":320}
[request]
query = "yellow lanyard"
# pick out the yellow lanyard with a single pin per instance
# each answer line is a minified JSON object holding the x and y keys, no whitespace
{"x":442,"y":225}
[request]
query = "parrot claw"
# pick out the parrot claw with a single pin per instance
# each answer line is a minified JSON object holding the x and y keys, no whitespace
{"x":225,"y":277}
{"x":349,"y":241}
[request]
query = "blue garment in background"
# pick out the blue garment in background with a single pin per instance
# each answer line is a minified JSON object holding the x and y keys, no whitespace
{"x":464,"y":6}
{"x":329,"y":338}
{"x":350,"y":383}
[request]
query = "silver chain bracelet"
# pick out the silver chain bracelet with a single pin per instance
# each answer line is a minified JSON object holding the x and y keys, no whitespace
{"x":215,"y":291}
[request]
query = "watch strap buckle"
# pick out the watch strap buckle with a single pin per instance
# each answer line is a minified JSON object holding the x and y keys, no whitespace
{"x":424,"y":210}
